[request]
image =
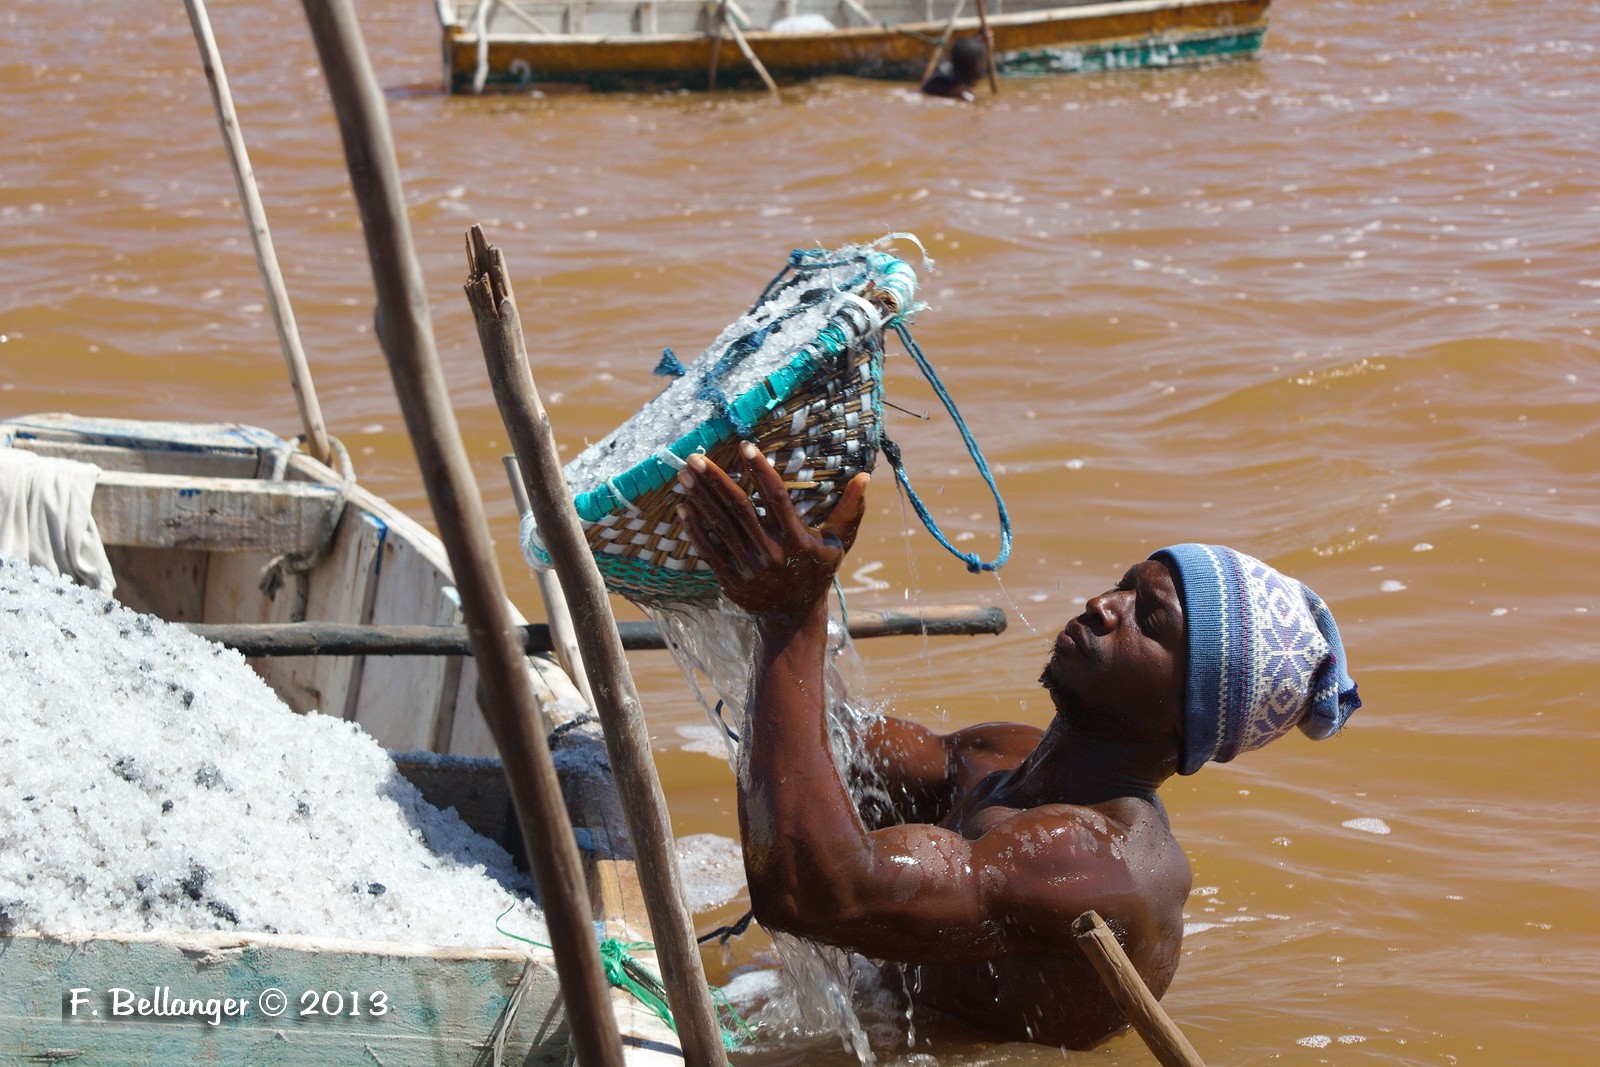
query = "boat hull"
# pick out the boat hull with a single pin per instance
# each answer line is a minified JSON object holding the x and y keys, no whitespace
{"x":193,"y":515}
{"x":1110,"y":36}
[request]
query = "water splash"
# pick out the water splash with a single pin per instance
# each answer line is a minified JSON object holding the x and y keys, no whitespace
{"x":714,"y":645}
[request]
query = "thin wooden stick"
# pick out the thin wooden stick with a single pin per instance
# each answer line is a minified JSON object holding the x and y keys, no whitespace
{"x":988,"y":43}
{"x":857,"y":8}
{"x":562,"y":634}
{"x":305,"y":392}
{"x":749,"y":53}
{"x":718,"y":13}
{"x":1157,"y":1029}
{"x":345,"y":639}
{"x":505,"y":690}
{"x":617,"y":701}
{"x":944,"y":41}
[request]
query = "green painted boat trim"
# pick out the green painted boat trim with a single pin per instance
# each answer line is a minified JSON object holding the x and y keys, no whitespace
{"x":1190,"y":48}
{"x":1151,"y":52}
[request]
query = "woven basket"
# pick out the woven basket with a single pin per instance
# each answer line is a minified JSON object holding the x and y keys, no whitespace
{"x":800,"y":375}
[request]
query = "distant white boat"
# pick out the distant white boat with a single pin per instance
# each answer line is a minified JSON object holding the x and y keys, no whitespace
{"x":612,"y":44}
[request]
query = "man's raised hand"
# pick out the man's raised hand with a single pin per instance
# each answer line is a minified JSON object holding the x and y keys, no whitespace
{"x":772,"y":563}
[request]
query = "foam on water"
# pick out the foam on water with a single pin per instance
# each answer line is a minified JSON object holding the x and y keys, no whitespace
{"x":713,"y":869}
{"x":153,"y":782}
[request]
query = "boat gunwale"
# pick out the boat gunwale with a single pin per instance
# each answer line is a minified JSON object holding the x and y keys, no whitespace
{"x":218,"y":942}
{"x":1075,"y":12}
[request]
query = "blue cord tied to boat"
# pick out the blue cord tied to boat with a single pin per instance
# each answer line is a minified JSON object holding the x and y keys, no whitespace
{"x":891,"y":451}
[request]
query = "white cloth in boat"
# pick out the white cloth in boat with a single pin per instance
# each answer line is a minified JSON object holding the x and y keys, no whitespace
{"x":46,"y":517}
{"x":807,"y":23}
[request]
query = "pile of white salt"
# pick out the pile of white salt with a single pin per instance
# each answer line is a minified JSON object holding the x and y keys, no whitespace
{"x":150,"y":780}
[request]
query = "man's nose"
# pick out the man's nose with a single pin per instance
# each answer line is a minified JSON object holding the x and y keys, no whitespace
{"x":1103,"y":612}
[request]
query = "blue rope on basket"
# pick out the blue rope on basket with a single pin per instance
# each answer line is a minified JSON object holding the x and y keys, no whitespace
{"x":801,"y":375}
{"x":891,"y":452}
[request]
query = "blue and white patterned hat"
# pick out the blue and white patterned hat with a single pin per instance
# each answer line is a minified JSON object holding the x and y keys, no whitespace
{"x":1264,"y":655}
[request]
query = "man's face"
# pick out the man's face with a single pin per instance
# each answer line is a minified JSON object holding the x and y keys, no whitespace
{"x":1119,"y":667}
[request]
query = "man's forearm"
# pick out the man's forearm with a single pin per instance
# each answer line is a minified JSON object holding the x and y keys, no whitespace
{"x":800,"y":826}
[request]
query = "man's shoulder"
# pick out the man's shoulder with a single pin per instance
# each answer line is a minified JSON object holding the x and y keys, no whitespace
{"x":1011,"y":738}
{"x":1066,"y":858}
{"x":943,"y":85}
{"x":1128,"y":831}
{"x":976,"y":752}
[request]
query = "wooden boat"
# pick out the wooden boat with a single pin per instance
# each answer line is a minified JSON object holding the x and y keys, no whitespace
{"x":192,"y":516}
{"x":644,"y":43}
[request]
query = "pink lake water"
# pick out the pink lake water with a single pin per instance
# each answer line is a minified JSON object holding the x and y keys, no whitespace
{"x":1335,"y":307}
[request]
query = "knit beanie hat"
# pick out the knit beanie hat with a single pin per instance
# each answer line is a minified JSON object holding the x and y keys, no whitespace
{"x":1264,"y":655}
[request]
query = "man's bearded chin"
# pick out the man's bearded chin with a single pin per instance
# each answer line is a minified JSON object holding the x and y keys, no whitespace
{"x":1064,"y":700}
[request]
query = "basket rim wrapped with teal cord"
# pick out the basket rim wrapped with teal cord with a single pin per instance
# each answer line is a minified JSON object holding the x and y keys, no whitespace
{"x":816,"y":414}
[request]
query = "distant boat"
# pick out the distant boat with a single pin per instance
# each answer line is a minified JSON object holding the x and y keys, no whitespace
{"x":621,"y":44}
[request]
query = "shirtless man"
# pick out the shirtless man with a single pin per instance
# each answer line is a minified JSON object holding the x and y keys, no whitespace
{"x":1003,"y":834}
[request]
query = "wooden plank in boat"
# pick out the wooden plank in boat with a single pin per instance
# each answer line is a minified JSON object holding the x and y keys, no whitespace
{"x":167,"y":582}
{"x":220,"y":464}
{"x":343,"y":587}
{"x":441,"y":1005}
{"x":340,"y":589}
{"x":233,"y":592}
{"x":401,"y":700}
{"x":212,"y":514}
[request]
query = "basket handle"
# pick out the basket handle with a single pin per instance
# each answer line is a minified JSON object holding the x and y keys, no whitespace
{"x":891,"y":451}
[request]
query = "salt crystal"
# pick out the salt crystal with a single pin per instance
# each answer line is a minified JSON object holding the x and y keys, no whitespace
{"x":1367,"y":826}
{"x":153,"y":781}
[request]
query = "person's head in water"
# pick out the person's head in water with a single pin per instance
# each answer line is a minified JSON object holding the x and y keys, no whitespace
{"x":969,"y":59}
{"x":1202,"y":652}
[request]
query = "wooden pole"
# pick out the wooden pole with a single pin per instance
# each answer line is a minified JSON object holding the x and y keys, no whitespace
{"x":718,"y":12}
{"x":944,"y":41}
{"x":305,"y":392}
{"x":1157,"y":1029}
{"x":616,"y":700}
{"x":563,"y":637}
{"x":988,"y":43}
{"x":344,"y":639}
{"x":505,"y":691}
{"x":749,"y":53}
